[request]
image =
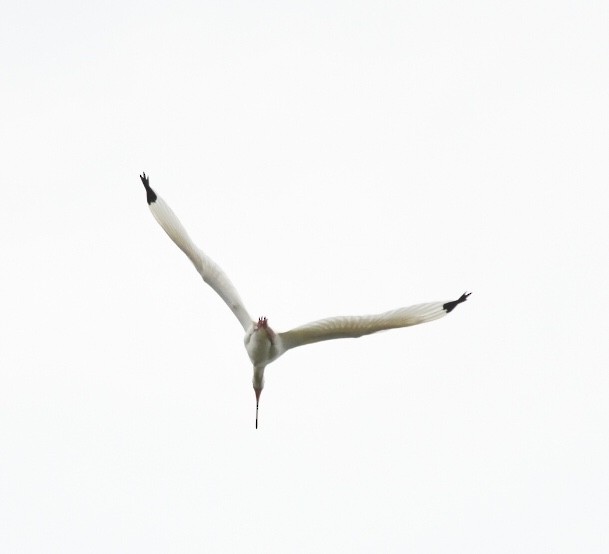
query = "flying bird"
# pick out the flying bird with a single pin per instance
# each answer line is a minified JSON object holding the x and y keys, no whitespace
{"x":264,"y":345}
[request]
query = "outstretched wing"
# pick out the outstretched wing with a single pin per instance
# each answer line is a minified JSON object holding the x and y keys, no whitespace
{"x":212,"y":273}
{"x":356,"y":326}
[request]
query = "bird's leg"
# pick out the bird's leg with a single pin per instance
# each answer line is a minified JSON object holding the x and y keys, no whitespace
{"x":262,"y":323}
{"x":256,"y":413}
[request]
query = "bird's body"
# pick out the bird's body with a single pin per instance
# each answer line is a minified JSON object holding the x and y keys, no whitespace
{"x":263,"y":345}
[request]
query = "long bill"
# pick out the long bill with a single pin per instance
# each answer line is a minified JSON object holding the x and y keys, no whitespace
{"x":257,"y":391}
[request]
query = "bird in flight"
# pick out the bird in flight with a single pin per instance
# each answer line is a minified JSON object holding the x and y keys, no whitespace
{"x":264,"y":345}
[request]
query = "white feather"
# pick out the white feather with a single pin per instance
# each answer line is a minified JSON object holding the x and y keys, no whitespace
{"x":342,"y":327}
{"x":210,"y":271}
{"x":263,"y":345}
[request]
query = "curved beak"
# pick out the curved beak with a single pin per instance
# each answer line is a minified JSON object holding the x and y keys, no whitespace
{"x":257,"y":391}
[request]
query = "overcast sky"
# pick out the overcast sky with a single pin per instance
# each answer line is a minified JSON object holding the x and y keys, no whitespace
{"x":334,"y":158}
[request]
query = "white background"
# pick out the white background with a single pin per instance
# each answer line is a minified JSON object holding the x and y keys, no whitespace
{"x":334,"y":158}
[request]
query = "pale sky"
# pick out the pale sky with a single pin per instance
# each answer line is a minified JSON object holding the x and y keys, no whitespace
{"x":334,"y":158}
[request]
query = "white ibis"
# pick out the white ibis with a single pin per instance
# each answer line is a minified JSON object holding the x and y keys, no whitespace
{"x":264,"y":345}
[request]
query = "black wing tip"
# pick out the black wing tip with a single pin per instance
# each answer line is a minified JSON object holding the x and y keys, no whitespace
{"x":450,"y":306}
{"x":150,"y":194}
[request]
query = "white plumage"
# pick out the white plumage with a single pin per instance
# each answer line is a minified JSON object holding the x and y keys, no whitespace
{"x":263,"y":345}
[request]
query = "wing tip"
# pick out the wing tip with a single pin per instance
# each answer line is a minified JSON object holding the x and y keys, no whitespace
{"x":150,"y":194}
{"x":450,"y":306}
